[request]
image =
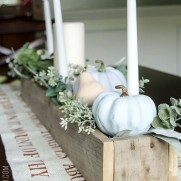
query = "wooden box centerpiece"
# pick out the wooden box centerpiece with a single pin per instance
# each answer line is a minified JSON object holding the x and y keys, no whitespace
{"x":98,"y":157}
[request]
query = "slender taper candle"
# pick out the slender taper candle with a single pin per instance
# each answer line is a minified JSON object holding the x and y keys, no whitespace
{"x":61,"y":56}
{"x":48,"y":25}
{"x":132,"y":48}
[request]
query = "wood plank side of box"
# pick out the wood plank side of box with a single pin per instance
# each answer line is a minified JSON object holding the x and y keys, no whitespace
{"x":92,"y":155}
{"x":98,"y":157}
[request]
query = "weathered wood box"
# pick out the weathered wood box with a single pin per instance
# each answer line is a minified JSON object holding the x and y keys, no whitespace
{"x":98,"y":157}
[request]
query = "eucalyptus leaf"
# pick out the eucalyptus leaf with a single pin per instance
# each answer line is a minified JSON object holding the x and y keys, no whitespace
{"x":69,"y":87}
{"x":55,"y":101}
{"x":32,"y":59}
{"x":162,"y":106}
{"x":146,"y":80}
{"x":141,"y":90}
{"x":178,"y":125}
{"x":172,"y":118}
{"x":60,"y":87}
{"x":166,"y":124}
{"x":177,"y":109}
{"x":173,"y":101}
{"x":51,"y":92}
{"x":164,"y":114}
{"x":166,"y":132}
{"x":173,"y":123}
{"x":179,"y":102}
{"x":157,"y":123}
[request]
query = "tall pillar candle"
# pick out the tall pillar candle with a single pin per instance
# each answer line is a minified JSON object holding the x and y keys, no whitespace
{"x":60,"y":47}
{"x":48,"y":25}
{"x":74,"y":37}
{"x":132,"y":49}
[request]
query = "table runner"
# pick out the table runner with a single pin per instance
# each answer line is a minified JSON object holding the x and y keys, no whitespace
{"x":31,"y":151}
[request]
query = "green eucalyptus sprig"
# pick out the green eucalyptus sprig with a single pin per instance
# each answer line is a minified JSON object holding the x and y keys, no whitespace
{"x":168,"y":115}
{"x":61,"y":93}
{"x":28,"y":62}
{"x":142,"y":83}
{"x":55,"y":83}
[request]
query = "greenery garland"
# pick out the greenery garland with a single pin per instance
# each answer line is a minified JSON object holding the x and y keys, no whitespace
{"x":36,"y":64}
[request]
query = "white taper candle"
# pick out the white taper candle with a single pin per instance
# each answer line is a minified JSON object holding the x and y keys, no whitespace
{"x":48,"y":25}
{"x":55,"y":61}
{"x":132,"y":48}
{"x":61,"y":56}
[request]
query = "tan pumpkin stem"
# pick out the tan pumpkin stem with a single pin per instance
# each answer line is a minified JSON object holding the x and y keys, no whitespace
{"x":85,"y":68}
{"x":124,"y":90}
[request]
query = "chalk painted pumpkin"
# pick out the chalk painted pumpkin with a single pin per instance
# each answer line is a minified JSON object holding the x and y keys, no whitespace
{"x":109,"y":77}
{"x":114,"y":114}
{"x":89,"y":88}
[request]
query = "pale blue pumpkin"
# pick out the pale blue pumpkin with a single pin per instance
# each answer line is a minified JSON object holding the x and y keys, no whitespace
{"x":114,"y":114}
{"x":108,"y":77}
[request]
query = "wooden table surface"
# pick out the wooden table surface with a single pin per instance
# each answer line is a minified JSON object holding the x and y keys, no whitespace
{"x":161,"y":87}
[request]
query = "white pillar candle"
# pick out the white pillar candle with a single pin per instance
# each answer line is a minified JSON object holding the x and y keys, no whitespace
{"x":132,"y":49}
{"x":74,"y":37}
{"x":61,"y":57}
{"x":48,"y":25}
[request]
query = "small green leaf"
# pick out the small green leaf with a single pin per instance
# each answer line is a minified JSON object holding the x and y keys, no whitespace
{"x":163,"y":106}
{"x":177,"y":109}
{"x":69,"y":87}
{"x":163,"y":114}
{"x":173,"y":101}
{"x":146,"y":80}
{"x":51,"y":92}
{"x":166,"y":124}
{"x":60,"y":87}
{"x":55,"y":101}
{"x":172,"y":118}
{"x":179,"y":102}
{"x":157,"y":123}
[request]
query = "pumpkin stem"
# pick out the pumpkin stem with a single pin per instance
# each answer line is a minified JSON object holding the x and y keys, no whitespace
{"x":102,"y":66}
{"x":85,"y":68}
{"x":124,"y":90}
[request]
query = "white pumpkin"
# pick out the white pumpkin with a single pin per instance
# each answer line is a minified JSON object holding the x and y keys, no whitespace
{"x":109,"y":77}
{"x":114,"y":114}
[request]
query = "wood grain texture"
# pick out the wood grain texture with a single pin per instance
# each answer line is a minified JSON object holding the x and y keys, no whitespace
{"x":173,"y":164}
{"x":141,"y":159}
{"x":92,"y":155}
{"x":99,"y":158}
